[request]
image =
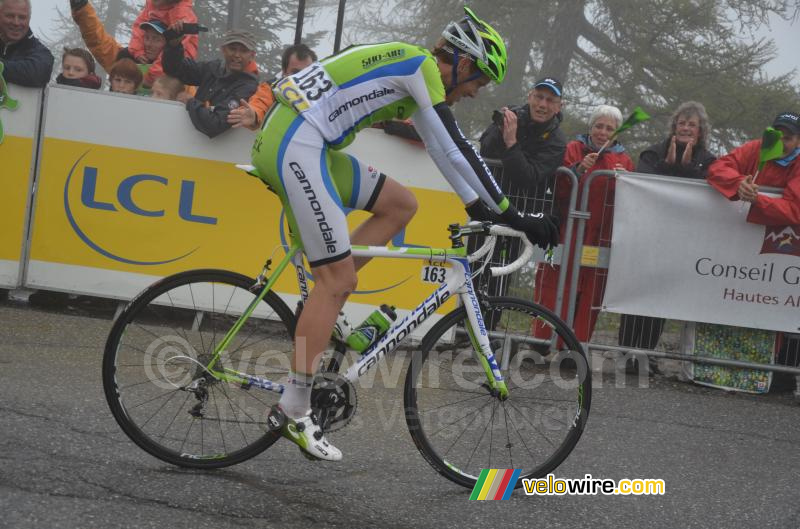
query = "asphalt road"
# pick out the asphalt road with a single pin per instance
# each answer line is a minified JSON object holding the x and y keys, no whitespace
{"x":727,"y":460}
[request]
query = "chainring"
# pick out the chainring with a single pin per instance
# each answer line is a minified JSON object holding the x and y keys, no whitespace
{"x":333,"y":400}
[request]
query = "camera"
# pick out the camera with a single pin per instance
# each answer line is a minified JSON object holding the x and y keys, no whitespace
{"x":499,"y":118}
{"x":189,"y":28}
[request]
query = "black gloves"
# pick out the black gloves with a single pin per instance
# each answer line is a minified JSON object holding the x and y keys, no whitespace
{"x":75,"y":5}
{"x":540,"y":228}
{"x":478,"y":211}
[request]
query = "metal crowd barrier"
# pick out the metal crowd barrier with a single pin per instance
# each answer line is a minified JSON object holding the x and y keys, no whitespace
{"x":540,"y":197}
{"x":642,"y":336}
{"x":632,"y":336}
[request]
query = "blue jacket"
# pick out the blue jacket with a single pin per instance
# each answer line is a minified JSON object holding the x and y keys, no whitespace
{"x":27,"y":62}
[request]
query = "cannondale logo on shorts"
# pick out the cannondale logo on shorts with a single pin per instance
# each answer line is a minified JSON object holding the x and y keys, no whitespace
{"x":319,"y":215}
{"x":170,"y":362}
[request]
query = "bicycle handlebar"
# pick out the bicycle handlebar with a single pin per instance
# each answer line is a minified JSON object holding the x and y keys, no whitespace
{"x":526,"y":255}
{"x":488,"y":246}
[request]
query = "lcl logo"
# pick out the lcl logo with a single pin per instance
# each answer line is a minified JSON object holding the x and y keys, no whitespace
{"x":126,"y":202}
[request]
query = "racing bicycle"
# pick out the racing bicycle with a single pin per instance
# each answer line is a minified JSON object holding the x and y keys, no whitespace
{"x":194,"y":363}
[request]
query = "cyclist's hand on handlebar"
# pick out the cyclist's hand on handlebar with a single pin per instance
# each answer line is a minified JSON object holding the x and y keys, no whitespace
{"x":540,"y":228}
{"x":478,"y":211}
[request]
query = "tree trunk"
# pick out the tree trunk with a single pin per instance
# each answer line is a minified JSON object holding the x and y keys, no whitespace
{"x":561,"y":43}
{"x":114,"y":17}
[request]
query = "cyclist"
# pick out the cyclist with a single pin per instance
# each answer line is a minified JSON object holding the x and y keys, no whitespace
{"x":297,"y":153}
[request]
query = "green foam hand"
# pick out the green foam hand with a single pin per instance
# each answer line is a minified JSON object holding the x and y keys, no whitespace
{"x":637,"y":116}
{"x":5,"y":99}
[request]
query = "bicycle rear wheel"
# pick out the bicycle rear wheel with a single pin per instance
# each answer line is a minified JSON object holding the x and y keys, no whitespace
{"x":154,"y":373}
{"x":460,"y":427}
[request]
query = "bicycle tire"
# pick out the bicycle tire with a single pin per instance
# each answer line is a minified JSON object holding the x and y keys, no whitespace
{"x":432,"y":376}
{"x":146,"y":362}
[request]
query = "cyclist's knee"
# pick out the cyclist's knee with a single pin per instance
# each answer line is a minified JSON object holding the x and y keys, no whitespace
{"x":338,"y":278}
{"x":396,"y":202}
{"x":408,"y":206}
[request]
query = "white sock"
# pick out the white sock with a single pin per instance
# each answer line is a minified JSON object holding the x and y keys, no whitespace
{"x":296,"y":398}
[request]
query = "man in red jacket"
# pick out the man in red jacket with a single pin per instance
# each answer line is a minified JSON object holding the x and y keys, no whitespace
{"x":734,"y":175}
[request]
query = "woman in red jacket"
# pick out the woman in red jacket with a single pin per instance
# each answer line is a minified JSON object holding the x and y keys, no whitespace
{"x":584,"y":157}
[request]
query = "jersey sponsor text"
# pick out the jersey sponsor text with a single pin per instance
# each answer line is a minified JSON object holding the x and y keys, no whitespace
{"x":375,"y":94}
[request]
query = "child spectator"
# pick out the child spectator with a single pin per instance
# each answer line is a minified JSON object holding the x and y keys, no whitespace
{"x":107,"y":50}
{"x":125,"y":77}
{"x":77,"y":69}
{"x":166,"y":87}
{"x":169,"y":12}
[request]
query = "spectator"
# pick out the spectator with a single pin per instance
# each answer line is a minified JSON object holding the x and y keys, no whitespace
{"x":251,"y":113}
{"x":733,"y":175}
{"x":584,"y":158}
{"x":107,"y":50}
{"x":125,"y":77}
{"x":530,"y":143}
{"x":167,"y":88}
{"x":683,"y":154}
{"x":26,"y":61}
{"x":77,"y":69}
{"x":172,"y":14}
{"x":221,"y":83}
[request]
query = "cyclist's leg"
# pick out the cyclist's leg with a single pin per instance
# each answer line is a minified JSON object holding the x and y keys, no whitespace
{"x":291,"y":156}
{"x":363,"y":187}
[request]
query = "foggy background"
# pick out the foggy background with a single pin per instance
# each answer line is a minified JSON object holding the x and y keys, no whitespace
{"x":737,"y":57}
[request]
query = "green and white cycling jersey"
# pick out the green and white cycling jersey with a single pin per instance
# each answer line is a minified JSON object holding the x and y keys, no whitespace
{"x":360,"y":86}
{"x":320,"y":109}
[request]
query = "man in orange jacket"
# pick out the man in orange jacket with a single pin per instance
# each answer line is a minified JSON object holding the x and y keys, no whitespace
{"x":251,"y":113}
{"x":107,"y":50}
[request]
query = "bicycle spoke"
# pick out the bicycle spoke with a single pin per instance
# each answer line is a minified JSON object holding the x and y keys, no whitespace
{"x":479,"y":440}
{"x":532,"y":425}
{"x":428,"y":410}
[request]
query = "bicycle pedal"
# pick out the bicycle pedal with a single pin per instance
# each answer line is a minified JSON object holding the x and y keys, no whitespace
{"x":276,"y":419}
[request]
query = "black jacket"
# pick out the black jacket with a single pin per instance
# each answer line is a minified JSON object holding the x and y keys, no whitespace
{"x":539,"y":150}
{"x":27,"y":62}
{"x":218,"y":90}
{"x":653,"y":161}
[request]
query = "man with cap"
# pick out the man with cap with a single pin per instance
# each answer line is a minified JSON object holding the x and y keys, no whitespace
{"x":221,"y":83}
{"x":26,"y":61}
{"x":107,"y":50}
{"x":530,"y":144}
{"x":528,"y":140}
{"x":734,"y":175}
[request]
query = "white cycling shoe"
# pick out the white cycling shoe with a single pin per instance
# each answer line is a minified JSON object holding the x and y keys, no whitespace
{"x":305,"y":433}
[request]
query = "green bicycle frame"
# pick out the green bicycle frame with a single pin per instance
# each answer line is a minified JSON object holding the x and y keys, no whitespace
{"x":458,"y":283}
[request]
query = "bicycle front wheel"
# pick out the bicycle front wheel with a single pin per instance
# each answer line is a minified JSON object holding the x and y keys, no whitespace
{"x":155,"y":372}
{"x":461,"y":427}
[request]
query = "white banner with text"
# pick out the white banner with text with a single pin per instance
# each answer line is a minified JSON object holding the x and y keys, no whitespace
{"x":680,"y":250}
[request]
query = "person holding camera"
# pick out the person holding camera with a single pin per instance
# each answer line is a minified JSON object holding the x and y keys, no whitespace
{"x":528,"y":142}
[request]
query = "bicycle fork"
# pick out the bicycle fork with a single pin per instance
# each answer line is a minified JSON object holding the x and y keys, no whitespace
{"x":479,"y":336}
